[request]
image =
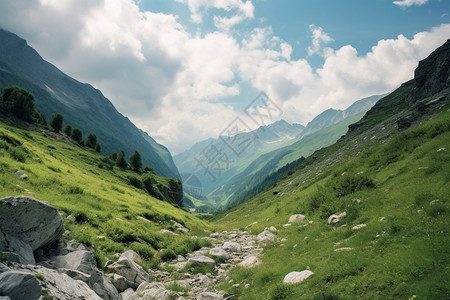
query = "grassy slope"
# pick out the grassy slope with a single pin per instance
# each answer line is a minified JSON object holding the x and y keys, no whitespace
{"x":410,"y":257}
{"x":70,"y":178}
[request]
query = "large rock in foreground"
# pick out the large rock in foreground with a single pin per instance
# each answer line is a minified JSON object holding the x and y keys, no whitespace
{"x":19,"y":286}
{"x":33,"y":221}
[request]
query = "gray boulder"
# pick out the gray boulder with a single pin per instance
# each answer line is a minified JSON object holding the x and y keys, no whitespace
{"x":19,"y":286}
{"x":21,"y":175}
{"x":296,"y":218}
{"x":250,"y":262}
{"x":219,"y":252}
{"x":156,"y":291}
{"x":297,"y":277}
{"x":232,"y":247}
{"x":265,"y":237}
{"x":19,"y":249}
{"x":84,"y":261}
{"x":120,"y":282}
{"x":209,"y":296}
{"x":31,"y":220}
{"x":333,"y":219}
{"x":61,"y":286}
{"x":202,"y":260}
{"x":129,"y":269}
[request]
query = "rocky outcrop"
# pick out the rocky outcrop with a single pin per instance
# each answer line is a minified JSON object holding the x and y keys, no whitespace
{"x":31,"y":220}
{"x":79,"y":263}
{"x":34,"y":229}
{"x":433,"y":73}
{"x":130,"y":270}
{"x":19,"y":285}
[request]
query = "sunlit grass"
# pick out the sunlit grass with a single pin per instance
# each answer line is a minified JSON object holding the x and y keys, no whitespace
{"x":404,"y":254}
{"x":106,"y":207}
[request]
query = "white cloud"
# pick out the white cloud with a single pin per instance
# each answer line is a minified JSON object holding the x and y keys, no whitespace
{"x":172,"y":84}
{"x":319,"y":39}
{"x":405,"y":3}
{"x":245,"y":10}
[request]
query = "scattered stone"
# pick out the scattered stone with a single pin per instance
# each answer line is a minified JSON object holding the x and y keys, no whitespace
{"x":180,"y":227}
{"x":297,"y":277}
{"x":250,"y":262}
{"x":273,"y":228}
{"x":434,"y":202}
{"x":359,"y":226}
{"x":333,"y":219}
{"x":254,"y":223}
{"x":296,"y":218}
{"x":219,"y":252}
{"x":127,"y":268}
{"x":71,"y":218}
{"x":100,"y":237}
{"x":286,"y":225}
{"x":209,"y":296}
{"x":23,"y":217}
{"x":232,"y":247}
{"x":119,"y":282}
{"x":156,"y":291}
{"x":168,"y":231}
{"x":442,"y":149}
{"x":357,"y":201}
{"x":21,"y":175}
{"x":144,"y":219}
{"x":202,"y":260}
{"x":266,"y":237}
{"x":382,"y":219}
{"x":343,"y":249}
{"x":19,"y":286}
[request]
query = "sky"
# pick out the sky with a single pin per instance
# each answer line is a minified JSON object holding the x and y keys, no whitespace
{"x":185,"y":70}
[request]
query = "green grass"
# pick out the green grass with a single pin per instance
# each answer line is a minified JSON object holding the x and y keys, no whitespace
{"x":403,"y":256}
{"x":81,"y":183}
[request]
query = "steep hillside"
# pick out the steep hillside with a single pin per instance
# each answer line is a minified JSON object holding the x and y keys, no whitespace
{"x":82,"y":105}
{"x":390,"y":174}
{"x":110,"y":208}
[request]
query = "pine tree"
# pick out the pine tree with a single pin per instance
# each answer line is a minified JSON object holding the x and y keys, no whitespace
{"x":136,"y":161}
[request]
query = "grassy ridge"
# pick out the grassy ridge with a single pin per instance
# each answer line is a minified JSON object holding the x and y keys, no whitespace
{"x":403,"y":252}
{"x":81,"y":183}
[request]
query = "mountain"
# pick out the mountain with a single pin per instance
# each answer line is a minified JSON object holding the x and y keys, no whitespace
{"x":253,"y":144}
{"x":375,"y":204}
{"x":332,"y":116}
{"x":82,"y":105}
{"x":273,"y":147}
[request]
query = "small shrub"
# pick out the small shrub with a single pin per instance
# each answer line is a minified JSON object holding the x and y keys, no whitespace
{"x":40,"y":276}
{"x":18,"y":154}
{"x":175,"y":287}
{"x":81,"y":217}
{"x":168,"y":255}
{"x":134,"y":181}
{"x":145,"y":252}
{"x":281,"y":292}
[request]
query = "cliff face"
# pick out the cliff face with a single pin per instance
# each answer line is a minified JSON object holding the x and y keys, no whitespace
{"x":433,"y":73}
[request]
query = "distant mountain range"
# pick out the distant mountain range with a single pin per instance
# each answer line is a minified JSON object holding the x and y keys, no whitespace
{"x":82,"y":105}
{"x":272,"y":147}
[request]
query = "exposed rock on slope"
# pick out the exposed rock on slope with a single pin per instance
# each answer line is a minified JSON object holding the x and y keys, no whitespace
{"x":34,"y":229}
